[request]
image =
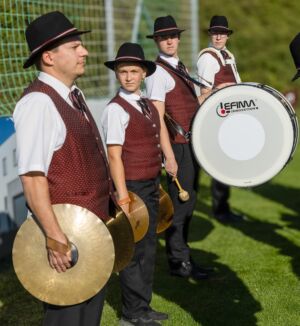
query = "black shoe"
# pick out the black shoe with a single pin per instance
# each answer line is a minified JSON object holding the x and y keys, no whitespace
{"x":185,"y":269}
{"x":157,"y":315}
{"x":229,"y":217}
{"x":138,"y":321}
{"x":202,"y":269}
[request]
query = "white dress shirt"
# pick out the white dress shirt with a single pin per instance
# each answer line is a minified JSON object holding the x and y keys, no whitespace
{"x":208,"y":66}
{"x":115,"y":119}
{"x":40,"y":130}
{"x":161,"y":82}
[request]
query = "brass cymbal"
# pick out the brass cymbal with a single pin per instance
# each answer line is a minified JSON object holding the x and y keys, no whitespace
{"x":122,"y":234}
{"x":79,"y":283}
{"x":166,"y":211}
{"x":138,"y":216}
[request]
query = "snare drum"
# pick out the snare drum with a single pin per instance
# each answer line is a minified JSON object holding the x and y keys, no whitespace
{"x":244,"y":134}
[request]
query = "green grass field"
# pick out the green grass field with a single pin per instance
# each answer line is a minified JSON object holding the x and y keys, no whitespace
{"x":257,"y":265}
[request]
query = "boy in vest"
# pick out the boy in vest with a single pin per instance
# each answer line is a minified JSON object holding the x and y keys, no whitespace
{"x":132,"y":132}
{"x":51,"y":134}
{"x":217,"y":69}
{"x":171,"y":92}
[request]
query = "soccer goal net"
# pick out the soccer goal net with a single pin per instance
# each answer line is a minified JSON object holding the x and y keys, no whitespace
{"x":112,"y":22}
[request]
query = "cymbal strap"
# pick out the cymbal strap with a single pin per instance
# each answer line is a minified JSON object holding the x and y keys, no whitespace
{"x":124,"y":201}
{"x":57,"y":246}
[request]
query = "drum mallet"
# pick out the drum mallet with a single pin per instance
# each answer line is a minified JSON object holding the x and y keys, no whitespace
{"x":183,"y":194}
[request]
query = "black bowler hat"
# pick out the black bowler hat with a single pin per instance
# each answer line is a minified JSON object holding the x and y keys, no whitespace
{"x":131,"y":52}
{"x":219,"y":24}
{"x":295,"y":52}
{"x":165,"y":26}
{"x":45,"y":31}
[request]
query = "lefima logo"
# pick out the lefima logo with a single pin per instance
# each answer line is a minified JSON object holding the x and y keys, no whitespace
{"x":223,"y":109}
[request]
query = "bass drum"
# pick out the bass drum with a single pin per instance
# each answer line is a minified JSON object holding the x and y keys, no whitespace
{"x":244,"y":134}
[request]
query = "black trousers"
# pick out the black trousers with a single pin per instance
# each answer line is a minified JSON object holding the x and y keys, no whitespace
{"x":177,"y":234}
{"x":87,"y":313}
{"x":137,"y":278}
{"x":220,"y":195}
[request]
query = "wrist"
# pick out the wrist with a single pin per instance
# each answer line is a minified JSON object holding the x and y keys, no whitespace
{"x":123,"y":201}
{"x":170,"y":157}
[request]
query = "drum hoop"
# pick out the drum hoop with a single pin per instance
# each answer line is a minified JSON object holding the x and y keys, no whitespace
{"x":283,"y":102}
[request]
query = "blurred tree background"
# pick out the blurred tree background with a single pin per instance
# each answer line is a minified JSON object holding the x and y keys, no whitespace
{"x":260,"y":42}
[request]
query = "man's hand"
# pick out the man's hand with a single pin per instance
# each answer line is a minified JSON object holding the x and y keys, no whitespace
{"x":59,"y":261}
{"x":171,"y":166}
{"x":224,"y":85}
{"x":59,"y":255}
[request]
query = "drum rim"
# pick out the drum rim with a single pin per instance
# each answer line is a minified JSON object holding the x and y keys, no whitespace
{"x":264,"y":177}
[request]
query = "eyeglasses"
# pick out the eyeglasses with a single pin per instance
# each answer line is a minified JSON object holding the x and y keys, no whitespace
{"x":222,"y":35}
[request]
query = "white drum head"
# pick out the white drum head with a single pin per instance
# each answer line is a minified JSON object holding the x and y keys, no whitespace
{"x":243,"y":135}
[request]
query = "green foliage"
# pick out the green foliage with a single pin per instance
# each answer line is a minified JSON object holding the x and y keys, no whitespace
{"x":260,"y":42}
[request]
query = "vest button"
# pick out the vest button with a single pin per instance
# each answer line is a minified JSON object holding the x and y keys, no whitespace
{"x":158,"y":145}
{"x":156,"y":135}
{"x":154,"y":125}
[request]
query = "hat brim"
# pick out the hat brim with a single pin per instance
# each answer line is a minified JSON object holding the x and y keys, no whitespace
{"x":297,"y":75}
{"x":149,"y":65}
{"x":31,"y":59}
{"x":166,"y":32}
{"x":220,"y":30}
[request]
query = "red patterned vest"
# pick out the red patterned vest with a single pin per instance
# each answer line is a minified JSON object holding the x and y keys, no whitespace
{"x":78,"y":173}
{"x":141,"y":153}
{"x":181,"y":102}
{"x":225,"y":74}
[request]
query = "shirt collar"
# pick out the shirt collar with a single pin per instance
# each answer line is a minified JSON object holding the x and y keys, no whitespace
{"x":129,"y":96}
{"x":211,"y":46}
{"x":171,"y":60}
{"x":59,"y":86}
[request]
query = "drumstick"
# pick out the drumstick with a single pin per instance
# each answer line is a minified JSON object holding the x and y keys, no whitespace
{"x":183,"y":194}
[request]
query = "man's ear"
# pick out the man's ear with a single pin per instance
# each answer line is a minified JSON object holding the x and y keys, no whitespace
{"x":47,"y":58}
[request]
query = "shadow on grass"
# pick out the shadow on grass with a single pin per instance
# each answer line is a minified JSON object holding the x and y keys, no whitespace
{"x":267,"y":233}
{"x":17,"y":306}
{"x":221,"y":300}
{"x":211,"y":302}
{"x":289,"y":197}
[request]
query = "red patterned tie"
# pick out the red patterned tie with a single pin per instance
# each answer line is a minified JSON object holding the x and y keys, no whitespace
{"x":224,"y":54}
{"x":181,"y":68}
{"x":145,"y":108}
{"x":77,"y":100}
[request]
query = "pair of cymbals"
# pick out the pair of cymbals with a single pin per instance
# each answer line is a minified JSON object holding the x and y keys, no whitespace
{"x":102,"y":249}
{"x":139,"y":217}
{"x":166,"y":211}
{"x":96,"y":257}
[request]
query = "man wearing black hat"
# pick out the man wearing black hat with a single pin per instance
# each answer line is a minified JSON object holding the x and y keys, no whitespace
{"x":217,"y":69}
{"x":172,"y":93}
{"x":295,"y":52}
{"x":132,"y":131}
{"x":53,"y":128}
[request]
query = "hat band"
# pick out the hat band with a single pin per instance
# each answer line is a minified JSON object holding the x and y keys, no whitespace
{"x":166,"y":29}
{"x":218,"y":27}
{"x":53,"y":39}
{"x":128,"y":57}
